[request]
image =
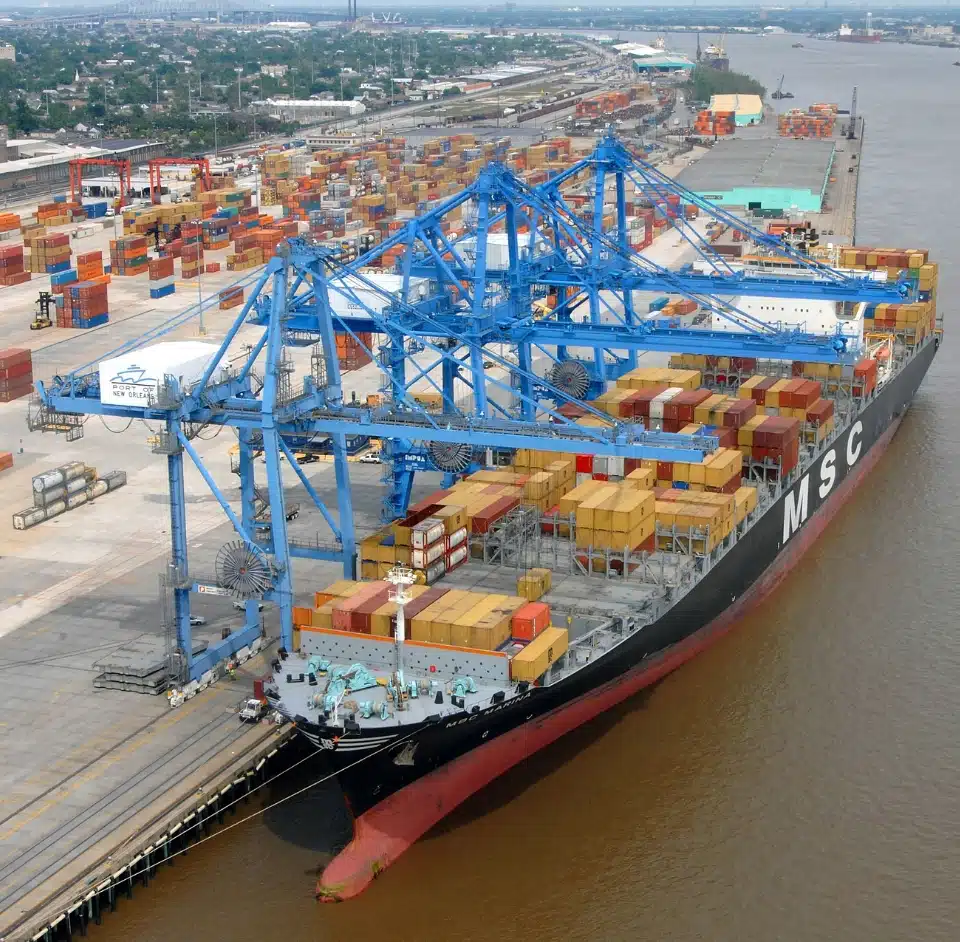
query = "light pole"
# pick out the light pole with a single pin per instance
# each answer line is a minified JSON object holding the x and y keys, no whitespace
{"x":239,"y":71}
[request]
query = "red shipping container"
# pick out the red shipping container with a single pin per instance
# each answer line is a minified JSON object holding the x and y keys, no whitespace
{"x":488,"y":516}
{"x":641,"y":402}
{"x":431,"y":502}
{"x":759,"y":392}
{"x":726,"y":437}
{"x":15,"y":392}
{"x":12,"y":356}
{"x":18,"y":369}
{"x":664,"y":470}
{"x":415,"y":606}
{"x":787,"y":394}
{"x":584,"y":464}
{"x":739,"y":413}
{"x":864,"y":368}
{"x":572,"y":410}
{"x":529,"y":620}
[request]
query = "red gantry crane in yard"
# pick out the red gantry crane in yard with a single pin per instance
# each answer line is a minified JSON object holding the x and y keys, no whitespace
{"x":201,"y":168}
{"x":76,"y":175}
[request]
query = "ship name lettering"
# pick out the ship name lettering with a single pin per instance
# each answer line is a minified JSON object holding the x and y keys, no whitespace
{"x":459,"y":721}
{"x":796,"y":507}
{"x":854,"y":444}
{"x":828,"y":473}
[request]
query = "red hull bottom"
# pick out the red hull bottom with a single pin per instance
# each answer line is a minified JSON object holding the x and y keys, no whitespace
{"x":384,"y":832}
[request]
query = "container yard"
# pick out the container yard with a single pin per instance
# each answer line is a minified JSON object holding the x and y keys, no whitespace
{"x":426,"y":550}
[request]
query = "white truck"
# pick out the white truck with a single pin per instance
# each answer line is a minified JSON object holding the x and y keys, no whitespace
{"x":252,"y":710}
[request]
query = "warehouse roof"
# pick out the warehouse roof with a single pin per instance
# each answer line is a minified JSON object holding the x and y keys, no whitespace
{"x":745,"y":104}
{"x":764,"y":162}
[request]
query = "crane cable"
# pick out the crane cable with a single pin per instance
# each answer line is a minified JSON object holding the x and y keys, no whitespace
{"x":131,"y":876}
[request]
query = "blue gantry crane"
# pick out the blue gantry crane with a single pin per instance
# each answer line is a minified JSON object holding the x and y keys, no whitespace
{"x":458,"y":320}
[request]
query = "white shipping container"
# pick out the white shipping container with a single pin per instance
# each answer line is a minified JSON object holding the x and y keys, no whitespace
{"x":134,"y":379}
{"x":456,"y":557}
{"x":51,"y":494}
{"x":426,"y":533}
{"x":97,"y":489}
{"x":58,"y":476}
{"x":422,"y":558}
{"x":28,"y":518}
{"x":456,"y":538}
{"x":351,"y":297}
{"x":615,"y":467}
{"x":656,"y":405}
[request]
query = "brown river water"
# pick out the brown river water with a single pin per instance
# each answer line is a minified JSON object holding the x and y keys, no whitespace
{"x":798,"y":781}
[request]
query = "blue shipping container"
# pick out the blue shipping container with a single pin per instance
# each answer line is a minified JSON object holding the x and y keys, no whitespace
{"x":63,"y":277}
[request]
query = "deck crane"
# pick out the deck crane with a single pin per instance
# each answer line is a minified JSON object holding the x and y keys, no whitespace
{"x":472,"y":312}
{"x":201,"y":170}
{"x":122,"y":166}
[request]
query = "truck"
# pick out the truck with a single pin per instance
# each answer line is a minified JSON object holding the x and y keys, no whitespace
{"x":252,"y":710}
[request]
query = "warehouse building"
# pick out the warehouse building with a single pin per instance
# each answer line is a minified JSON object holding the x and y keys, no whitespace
{"x":766,"y":174}
{"x":747,"y":109}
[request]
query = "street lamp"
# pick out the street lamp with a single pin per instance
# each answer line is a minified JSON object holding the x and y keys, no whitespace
{"x":239,"y":71}
{"x":216,"y":139}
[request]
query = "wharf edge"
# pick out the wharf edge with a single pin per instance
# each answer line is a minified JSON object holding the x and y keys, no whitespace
{"x":81,"y":893}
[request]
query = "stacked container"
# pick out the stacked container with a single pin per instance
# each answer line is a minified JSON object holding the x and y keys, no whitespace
{"x":16,"y":373}
{"x":352,"y":350}
{"x":128,"y":255}
{"x":191,"y":260}
{"x":163,"y":281}
{"x":50,"y":254}
{"x":11,"y":266}
{"x":89,"y":266}
{"x":64,"y":488}
{"x":230,"y":298}
{"x":216,"y":234}
{"x":85,"y":305}
{"x":9,"y":226}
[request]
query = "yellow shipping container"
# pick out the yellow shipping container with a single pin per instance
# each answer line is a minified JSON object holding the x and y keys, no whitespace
{"x":587,"y":509}
{"x":537,"y":656}
{"x":642,"y":478}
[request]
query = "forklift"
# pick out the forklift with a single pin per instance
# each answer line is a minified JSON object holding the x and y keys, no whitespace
{"x":45,"y":304}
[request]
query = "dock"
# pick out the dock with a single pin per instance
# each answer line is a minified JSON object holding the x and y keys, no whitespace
{"x":97,"y":786}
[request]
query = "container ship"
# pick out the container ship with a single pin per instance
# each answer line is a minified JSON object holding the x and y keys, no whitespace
{"x":848,"y":35}
{"x":570,"y":582}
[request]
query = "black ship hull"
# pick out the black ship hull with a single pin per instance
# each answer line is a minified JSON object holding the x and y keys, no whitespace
{"x":389,"y":780}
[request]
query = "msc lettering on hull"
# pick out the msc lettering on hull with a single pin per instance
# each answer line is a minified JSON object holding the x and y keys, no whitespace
{"x":796,"y":504}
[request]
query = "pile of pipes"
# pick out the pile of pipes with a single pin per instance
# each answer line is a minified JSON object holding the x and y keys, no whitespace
{"x":61,"y":489}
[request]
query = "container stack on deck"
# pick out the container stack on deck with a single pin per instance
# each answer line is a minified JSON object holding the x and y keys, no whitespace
{"x":440,"y":617}
{"x":909,"y":323}
{"x":16,"y":373}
